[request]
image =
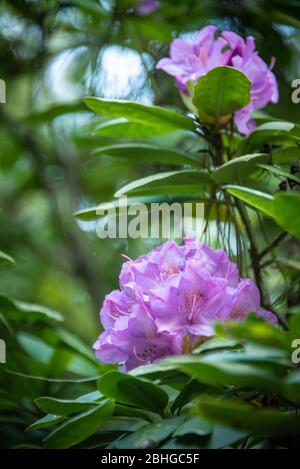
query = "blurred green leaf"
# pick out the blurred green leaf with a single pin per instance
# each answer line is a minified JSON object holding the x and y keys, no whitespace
{"x":246,"y":417}
{"x":5,"y":258}
{"x":19,"y":310}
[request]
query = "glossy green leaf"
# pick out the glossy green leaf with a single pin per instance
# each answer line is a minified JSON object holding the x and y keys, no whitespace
{"x":45,"y":422}
{"x":239,"y":169}
{"x":217,"y":369}
{"x":271,"y":132}
{"x":142,"y":153}
{"x":286,"y":155}
{"x":287,"y":211}
{"x":279,"y":172}
{"x":221,"y":92}
{"x":124,"y":128}
{"x":256,"y":199}
{"x":127,"y":389}
{"x":164,"y":119}
{"x":79,"y":427}
{"x":50,"y":405}
{"x":196,"y":426}
{"x":191,"y":180}
{"x":150,"y":435}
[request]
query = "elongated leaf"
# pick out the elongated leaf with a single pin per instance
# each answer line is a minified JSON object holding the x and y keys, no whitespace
{"x":257,"y":199}
{"x":196,"y":426}
{"x":281,"y":173}
{"x":218,"y":370}
{"x":287,"y":211}
{"x":194,"y":181}
{"x":79,"y":427}
{"x":14,"y":310}
{"x":283,"y":207}
{"x":50,"y":405}
{"x":286,"y":156}
{"x":5,"y":258}
{"x":55,"y":111}
{"x":247,"y":417}
{"x":271,"y":132}
{"x":142,"y":153}
{"x":221,"y":92}
{"x":45,"y":422}
{"x":123,"y":128}
{"x":150,"y":435}
{"x":239,"y":169}
{"x":158,"y":117}
{"x":127,"y":389}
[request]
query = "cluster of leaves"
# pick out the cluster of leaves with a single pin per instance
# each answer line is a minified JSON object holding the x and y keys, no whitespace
{"x":238,"y":390}
{"x":38,"y":355}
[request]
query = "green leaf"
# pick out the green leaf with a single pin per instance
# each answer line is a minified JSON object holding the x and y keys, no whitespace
{"x":191,"y":389}
{"x":123,"y":424}
{"x":246,"y":417}
{"x":271,"y":132}
{"x":80,"y":427}
{"x":163,"y":119}
{"x":287,"y":211}
{"x":224,"y":437}
{"x":281,"y":173}
{"x":191,"y":180}
{"x":221,"y":92}
{"x":127,"y":389}
{"x":218,"y":369}
{"x":256,"y":199}
{"x":142,"y":153}
{"x":123,"y":128}
{"x":45,"y":422}
{"x":283,"y":207}
{"x":239,"y":169}
{"x":196,"y":426}
{"x":5,"y":258}
{"x":286,"y":155}
{"x":151,"y":435}
{"x":15,"y":310}
{"x":65,"y":407}
{"x":55,"y":111}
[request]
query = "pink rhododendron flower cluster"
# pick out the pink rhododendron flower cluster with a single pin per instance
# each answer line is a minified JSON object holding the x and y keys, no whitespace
{"x":146,"y":7}
{"x":169,"y":301}
{"x":189,"y":60}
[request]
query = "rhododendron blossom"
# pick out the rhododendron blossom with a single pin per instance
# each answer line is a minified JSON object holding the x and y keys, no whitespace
{"x":169,"y":301}
{"x":189,"y":60}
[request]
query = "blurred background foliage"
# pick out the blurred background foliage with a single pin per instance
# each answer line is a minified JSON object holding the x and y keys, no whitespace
{"x":52,"y":54}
